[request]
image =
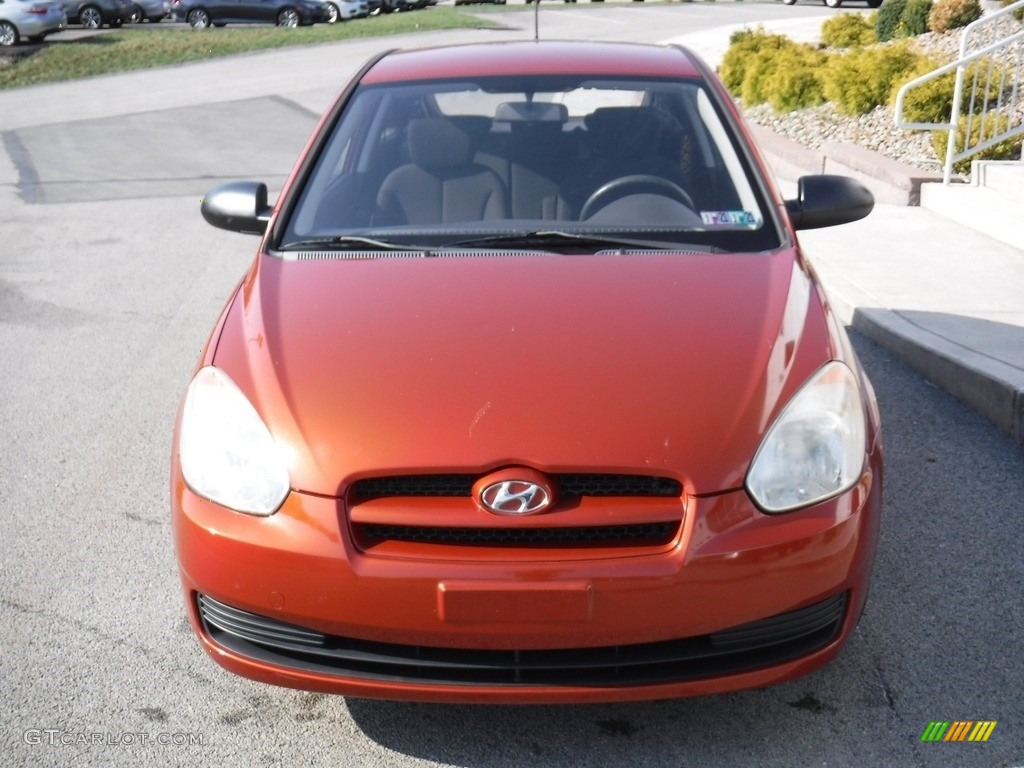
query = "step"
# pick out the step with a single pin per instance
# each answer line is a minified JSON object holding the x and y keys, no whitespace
{"x":990,"y":211}
{"x":999,"y":176}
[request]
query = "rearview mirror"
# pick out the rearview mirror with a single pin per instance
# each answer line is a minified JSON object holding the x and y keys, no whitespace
{"x":238,"y":206}
{"x":825,"y":201}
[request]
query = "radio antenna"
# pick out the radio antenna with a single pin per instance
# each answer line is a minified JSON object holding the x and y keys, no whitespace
{"x":536,"y":20}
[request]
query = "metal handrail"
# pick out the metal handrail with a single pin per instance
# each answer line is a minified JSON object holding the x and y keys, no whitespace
{"x":979,"y":97}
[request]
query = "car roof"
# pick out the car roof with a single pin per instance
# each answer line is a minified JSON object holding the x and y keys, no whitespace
{"x":533,"y":58}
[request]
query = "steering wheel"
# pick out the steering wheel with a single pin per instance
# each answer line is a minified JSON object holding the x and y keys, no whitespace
{"x":643,"y":182}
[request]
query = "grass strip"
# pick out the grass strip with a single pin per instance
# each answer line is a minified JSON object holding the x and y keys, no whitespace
{"x":130,"y":49}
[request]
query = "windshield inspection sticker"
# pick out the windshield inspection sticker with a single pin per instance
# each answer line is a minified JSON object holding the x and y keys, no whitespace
{"x":729,"y":218}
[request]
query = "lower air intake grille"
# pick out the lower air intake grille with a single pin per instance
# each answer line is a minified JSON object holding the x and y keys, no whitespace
{"x":756,"y":645}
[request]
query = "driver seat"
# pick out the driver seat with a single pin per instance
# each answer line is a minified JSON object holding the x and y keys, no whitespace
{"x":629,"y":141}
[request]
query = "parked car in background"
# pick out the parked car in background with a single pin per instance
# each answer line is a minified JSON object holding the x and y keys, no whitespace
{"x":344,"y":10}
{"x":29,"y":21}
{"x":200,"y":14}
{"x":529,"y":395}
{"x":391,"y":6}
{"x":835,"y":3}
{"x":93,"y":14}
{"x":149,"y":10}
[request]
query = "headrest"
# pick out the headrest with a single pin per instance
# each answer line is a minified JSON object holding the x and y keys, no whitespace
{"x":532,"y":111}
{"x":624,"y":126}
{"x":435,"y":143}
{"x":474,"y":126}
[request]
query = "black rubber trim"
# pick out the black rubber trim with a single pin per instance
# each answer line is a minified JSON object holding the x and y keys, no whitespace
{"x":760,"y":644}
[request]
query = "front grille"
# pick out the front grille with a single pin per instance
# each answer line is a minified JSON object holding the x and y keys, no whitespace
{"x":570,"y":485}
{"x":644,"y":534}
{"x":756,"y":645}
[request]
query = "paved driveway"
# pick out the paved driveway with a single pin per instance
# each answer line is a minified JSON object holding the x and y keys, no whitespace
{"x":109,"y":282}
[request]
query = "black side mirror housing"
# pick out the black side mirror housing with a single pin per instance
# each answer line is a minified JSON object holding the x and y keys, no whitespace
{"x":238,"y":206}
{"x":825,"y":201}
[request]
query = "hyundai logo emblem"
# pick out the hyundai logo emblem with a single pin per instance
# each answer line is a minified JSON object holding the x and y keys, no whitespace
{"x":515,"y":497}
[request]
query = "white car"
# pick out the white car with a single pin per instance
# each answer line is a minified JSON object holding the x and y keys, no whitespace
{"x":344,"y":10}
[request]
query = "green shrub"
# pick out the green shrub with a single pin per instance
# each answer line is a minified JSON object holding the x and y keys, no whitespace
{"x":953,"y":14}
{"x":761,"y":69}
{"x":986,"y":80}
{"x":1004,"y":150}
{"x":932,"y":101}
{"x":861,"y":79}
{"x":847,"y":30}
{"x":796,"y":83}
{"x":914,"y":19}
{"x":744,"y":45}
{"x":1018,"y":14}
{"x":888,"y":19}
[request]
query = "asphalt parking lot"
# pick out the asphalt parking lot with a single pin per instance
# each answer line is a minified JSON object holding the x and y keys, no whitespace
{"x":109,"y":283}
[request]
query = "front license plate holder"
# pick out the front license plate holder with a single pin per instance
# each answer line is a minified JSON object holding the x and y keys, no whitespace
{"x":478,"y":602}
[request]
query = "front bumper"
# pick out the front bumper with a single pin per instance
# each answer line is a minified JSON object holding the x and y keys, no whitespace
{"x":736,"y":600}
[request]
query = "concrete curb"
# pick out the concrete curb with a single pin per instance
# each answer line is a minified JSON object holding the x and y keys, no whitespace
{"x":890,"y":181}
{"x":992,"y":388}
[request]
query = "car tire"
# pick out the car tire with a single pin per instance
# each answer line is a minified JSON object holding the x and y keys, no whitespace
{"x":833,"y":3}
{"x":90,"y":17}
{"x":288,"y":17}
{"x":198,"y":18}
{"x":333,"y":14}
{"x":137,"y":15}
{"x":789,"y":2}
{"x":874,"y":3}
{"x":8,"y":34}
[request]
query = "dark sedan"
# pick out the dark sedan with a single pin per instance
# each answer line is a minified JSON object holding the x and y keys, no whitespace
{"x":200,"y":14}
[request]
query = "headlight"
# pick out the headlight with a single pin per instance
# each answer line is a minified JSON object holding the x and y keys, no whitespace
{"x":227,"y":453}
{"x":815,"y":449}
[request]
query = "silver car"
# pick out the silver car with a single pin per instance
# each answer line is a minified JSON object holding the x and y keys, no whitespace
{"x":149,"y":10}
{"x":30,"y":20}
{"x":343,"y":10}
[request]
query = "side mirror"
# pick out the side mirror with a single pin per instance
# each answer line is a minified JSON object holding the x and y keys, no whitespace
{"x":825,"y":201}
{"x":238,"y":206}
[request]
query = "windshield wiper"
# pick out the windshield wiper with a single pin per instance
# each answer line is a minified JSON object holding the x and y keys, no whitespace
{"x":349,"y":243}
{"x":571,"y":242}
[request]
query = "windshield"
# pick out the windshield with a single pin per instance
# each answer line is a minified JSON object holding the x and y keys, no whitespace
{"x":483,"y":162}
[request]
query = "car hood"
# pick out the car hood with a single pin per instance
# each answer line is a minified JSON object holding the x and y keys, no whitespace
{"x":662,"y":364}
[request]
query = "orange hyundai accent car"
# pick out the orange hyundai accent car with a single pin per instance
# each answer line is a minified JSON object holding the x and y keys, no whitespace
{"x":528,"y":396}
